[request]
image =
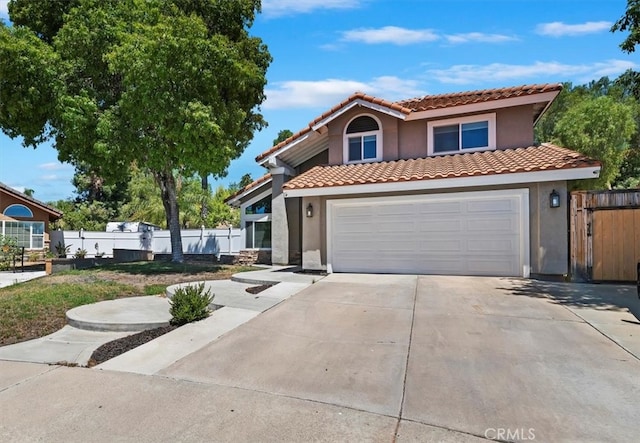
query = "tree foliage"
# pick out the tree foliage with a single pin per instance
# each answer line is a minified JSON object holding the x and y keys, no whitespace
{"x":601,"y":128}
{"x":629,"y":22}
{"x":172,"y":86}
{"x":282,"y":136}
{"x":620,"y":157}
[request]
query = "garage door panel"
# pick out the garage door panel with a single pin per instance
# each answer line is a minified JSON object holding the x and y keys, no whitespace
{"x":395,"y":210}
{"x":477,"y":233}
{"x":502,"y":224}
{"x":491,"y":206}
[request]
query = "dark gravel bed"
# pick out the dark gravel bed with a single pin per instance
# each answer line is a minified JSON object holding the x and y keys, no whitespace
{"x":257,"y":289}
{"x":124,"y":344}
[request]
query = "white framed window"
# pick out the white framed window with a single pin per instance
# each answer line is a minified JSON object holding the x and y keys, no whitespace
{"x":463,"y":134}
{"x":255,"y":219}
{"x":29,"y":235}
{"x":362,"y":140}
{"x":258,"y":234}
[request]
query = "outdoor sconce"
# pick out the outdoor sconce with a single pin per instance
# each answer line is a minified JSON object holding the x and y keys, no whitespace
{"x":309,"y":210}
{"x":554,"y":199}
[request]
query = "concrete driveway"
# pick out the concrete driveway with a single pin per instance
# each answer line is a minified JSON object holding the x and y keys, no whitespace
{"x":369,"y":358}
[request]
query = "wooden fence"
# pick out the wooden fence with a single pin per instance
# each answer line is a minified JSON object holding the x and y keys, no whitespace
{"x":605,"y":235}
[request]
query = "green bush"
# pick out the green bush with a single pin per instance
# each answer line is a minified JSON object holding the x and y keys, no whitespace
{"x":190,"y":303}
{"x":80,"y":253}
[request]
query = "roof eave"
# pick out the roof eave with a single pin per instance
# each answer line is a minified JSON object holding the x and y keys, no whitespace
{"x":236,"y":199}
{"x":571,"y":173}
{"x":544,"y":97}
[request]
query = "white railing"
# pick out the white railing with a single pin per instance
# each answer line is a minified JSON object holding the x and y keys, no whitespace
{"x":194,"y":241}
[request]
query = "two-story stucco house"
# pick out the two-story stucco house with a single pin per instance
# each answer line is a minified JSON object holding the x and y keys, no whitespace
{"x":443,"y":184}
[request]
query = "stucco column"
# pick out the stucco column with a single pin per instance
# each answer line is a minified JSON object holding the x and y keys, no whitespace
{"x":279,"y":223}
{"x":312,"y":235}
{"x":549,"y":231}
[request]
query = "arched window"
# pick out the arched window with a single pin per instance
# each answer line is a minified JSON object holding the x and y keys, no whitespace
{"x":18,"y":211}
{"x":363,"y":140}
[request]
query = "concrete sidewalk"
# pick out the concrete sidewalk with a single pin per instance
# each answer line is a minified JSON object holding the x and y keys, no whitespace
{"x":8,"y":278}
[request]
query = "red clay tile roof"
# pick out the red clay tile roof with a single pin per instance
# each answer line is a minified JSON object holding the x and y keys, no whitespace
{"x":423,"y":104}
{"x":534,"y":158}
{"x":467,"y":98}
{"x":250,"y":186}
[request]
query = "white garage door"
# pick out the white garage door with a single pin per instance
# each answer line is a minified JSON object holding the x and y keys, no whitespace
{"x":471,"y":233}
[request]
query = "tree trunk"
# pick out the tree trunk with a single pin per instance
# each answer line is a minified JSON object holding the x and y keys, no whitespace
{"x":205,"y":209}
{"x":167,"y":184}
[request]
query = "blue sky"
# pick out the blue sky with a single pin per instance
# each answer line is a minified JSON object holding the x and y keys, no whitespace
{"x":325,"y":50}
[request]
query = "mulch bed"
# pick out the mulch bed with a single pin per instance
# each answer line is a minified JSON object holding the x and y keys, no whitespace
{"x":124,"y":344}
{"x":257,"y":289}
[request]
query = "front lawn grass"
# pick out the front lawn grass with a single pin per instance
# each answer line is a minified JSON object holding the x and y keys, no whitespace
{"x":37,"y":308}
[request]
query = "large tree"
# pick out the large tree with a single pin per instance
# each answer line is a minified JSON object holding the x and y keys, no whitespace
{"x":599,"y":127}
{"x":626,"y":171}
{"x":173,"y":86}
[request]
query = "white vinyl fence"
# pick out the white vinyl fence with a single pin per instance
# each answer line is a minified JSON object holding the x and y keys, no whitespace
{"x":194,"y":241}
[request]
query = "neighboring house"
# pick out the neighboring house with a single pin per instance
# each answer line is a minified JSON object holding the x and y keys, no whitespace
{"x":443,"y":184}
{"x":25,"y":218}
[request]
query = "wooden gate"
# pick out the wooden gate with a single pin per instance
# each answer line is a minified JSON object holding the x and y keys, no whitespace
{"x":616,"y":244}
{"x":605,"y":235}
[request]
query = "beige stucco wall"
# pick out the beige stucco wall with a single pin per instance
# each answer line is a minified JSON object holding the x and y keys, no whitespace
{"x":314,"y":235}
{"x":389,"y":134}
{"x":548,"y":234}
{"x":514,"y":127}
{"x":404,"y":140}
{"x":295,"y":233}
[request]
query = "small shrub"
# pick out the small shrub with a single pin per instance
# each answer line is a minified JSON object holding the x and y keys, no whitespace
{"x":62,"y":250}
{"x":80,"y":253}
{"x":35,"y":256}
{"x":190,"y":303}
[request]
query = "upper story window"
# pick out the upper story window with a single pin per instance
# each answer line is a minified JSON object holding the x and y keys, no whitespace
{"x":363,"y":140}
{"x":474,"y":133}
{"x":260,"y":207}
{"x":18,"y":211}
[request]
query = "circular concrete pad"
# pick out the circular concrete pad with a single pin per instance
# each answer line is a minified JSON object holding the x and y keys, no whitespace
{"x":124,"y":314}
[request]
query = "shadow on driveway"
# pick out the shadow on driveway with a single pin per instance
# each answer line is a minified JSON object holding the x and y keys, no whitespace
{"x":601,"y":297}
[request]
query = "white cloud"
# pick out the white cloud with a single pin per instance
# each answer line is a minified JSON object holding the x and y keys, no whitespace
{"x":467,"y":74}
{"x":559,"y":29}
{"x":4,"y":7}
{"x":326,"y":93}
{"x":403,"y":36}
{"x":53,"y":166}
{"x":52,"y":178}
{"x":277,"y":8}
{"x":390,"y":34}
{"x":480,"y":37}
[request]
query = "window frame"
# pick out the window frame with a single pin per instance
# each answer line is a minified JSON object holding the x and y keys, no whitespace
{"x":361,"y":135}
{"x":7,"y":211}
{"x":245,"y":219}
{"x":490,"y":118}
{"x":23,"y":233}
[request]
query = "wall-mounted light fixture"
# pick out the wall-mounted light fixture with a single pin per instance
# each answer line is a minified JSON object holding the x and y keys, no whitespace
{"x":309,"y":210}
{"x":554,"y":199}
